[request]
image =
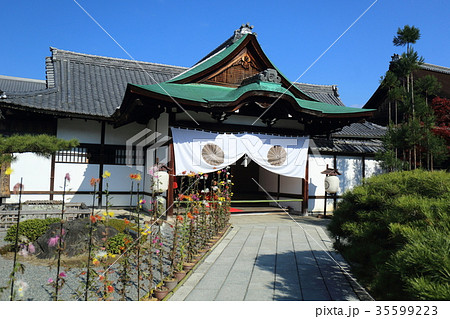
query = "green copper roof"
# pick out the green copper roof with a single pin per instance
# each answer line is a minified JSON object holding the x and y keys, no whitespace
{"x":205,"y":93}
{"x":328,"y":108}
{"x":215,"y":94}
{"x":209,"y":62}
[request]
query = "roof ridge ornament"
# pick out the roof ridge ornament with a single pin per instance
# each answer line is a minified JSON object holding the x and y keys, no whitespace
{"x":243,"y":30}
{"x":268,"y":75}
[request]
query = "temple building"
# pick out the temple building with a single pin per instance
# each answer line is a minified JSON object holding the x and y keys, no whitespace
{"x":232,"y":108}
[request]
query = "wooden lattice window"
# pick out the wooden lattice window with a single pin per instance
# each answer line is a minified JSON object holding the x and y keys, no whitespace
{"x":75,"y":155}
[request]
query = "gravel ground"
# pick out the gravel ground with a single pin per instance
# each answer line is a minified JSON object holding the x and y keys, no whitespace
{"x":37,"y":276}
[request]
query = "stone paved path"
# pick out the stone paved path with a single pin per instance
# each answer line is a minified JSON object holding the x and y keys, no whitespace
{"x":272,"y":257}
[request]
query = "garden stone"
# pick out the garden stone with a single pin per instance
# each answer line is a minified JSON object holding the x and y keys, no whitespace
{"x":75,"y":238}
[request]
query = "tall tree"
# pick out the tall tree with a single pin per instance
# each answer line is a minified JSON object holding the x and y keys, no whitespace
{"x":406,"y":36}
{"x":412,"y":139}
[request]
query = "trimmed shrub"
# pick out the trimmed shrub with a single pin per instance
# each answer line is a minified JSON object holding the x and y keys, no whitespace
{"x":118,"y":243}
{"x":394,"y":230}
{"x":31,"y":229}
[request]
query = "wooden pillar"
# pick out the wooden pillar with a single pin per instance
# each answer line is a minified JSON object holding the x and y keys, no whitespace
{"x":100,"y":169}
{"x":335,"y":194}
{"x":305,"y":188}
{"x":171,"y":180}
{"x":52,"y":176}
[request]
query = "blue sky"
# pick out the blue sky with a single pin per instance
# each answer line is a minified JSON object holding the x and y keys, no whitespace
{"x":292,"y":33}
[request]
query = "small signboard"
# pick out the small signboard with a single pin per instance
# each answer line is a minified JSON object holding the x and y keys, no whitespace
{"x":4,"y":181}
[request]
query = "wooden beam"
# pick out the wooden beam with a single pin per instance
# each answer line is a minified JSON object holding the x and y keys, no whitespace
{"x":171,"y":180}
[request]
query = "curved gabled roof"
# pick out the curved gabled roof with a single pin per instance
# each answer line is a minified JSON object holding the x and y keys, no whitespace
{"x":206,"y":95}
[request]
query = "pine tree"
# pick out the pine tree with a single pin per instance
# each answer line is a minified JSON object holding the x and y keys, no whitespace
{"x":406,"y":36}
{"x":410,"y":141}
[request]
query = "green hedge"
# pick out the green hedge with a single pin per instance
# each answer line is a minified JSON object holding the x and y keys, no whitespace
{"x":394,"y":230}
{"x":32,"y":229}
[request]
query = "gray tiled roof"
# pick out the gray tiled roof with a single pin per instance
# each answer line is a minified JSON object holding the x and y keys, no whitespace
{"x":88,"y":85}
{"x":323,"y":93}
{"x":347,"y":146}
{"x":84,"y":85}
{"x":361,"y":130}
{"x":435,"y":68}
{"x":12,"y":84}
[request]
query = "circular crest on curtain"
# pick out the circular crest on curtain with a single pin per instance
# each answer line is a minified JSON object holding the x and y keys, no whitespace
{"x":276,"y":155}
{"x":213,"y":154}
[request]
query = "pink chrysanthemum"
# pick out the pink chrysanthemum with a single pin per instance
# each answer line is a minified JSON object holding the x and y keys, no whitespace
{"x":53,"y":241}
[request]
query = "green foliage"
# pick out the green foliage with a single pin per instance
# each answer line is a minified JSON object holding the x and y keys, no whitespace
{"x":120,"y":225}
{"x":42,"y":144}
{"x":406,"y":36}
{"x":410,"y":143}
{"x":394,"y":230}
{"x":31,"y":229}
{"x":118,"y":243}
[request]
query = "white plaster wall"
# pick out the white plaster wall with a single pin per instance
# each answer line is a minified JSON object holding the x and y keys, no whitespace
{"x":80,"y":178}
{"x":120,"y":135}
{"x":35,"y":171}
{"x":120,"y":181}
{"x":372,"y":168}
{"x":351,"y":170}
{"x":84,"y":131}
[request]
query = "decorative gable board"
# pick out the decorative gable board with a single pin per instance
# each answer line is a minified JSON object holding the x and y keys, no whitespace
{"x":243,"y":66}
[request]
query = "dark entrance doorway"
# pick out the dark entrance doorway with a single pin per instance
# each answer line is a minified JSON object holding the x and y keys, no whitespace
{"x":244,"y":187}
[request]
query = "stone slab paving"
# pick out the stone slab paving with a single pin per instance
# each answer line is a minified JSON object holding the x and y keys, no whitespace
{"x":272,"y":257}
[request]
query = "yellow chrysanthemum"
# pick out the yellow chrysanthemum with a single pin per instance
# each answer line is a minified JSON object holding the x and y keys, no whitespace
{"x":104,"y":214}
{"x":111,"y":214}
{"x":106,"y":174}
{"x":9,"y":171}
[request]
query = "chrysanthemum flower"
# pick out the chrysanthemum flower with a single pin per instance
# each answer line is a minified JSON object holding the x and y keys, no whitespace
{"x":53,"y":241}
{"x":94,"y":181}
